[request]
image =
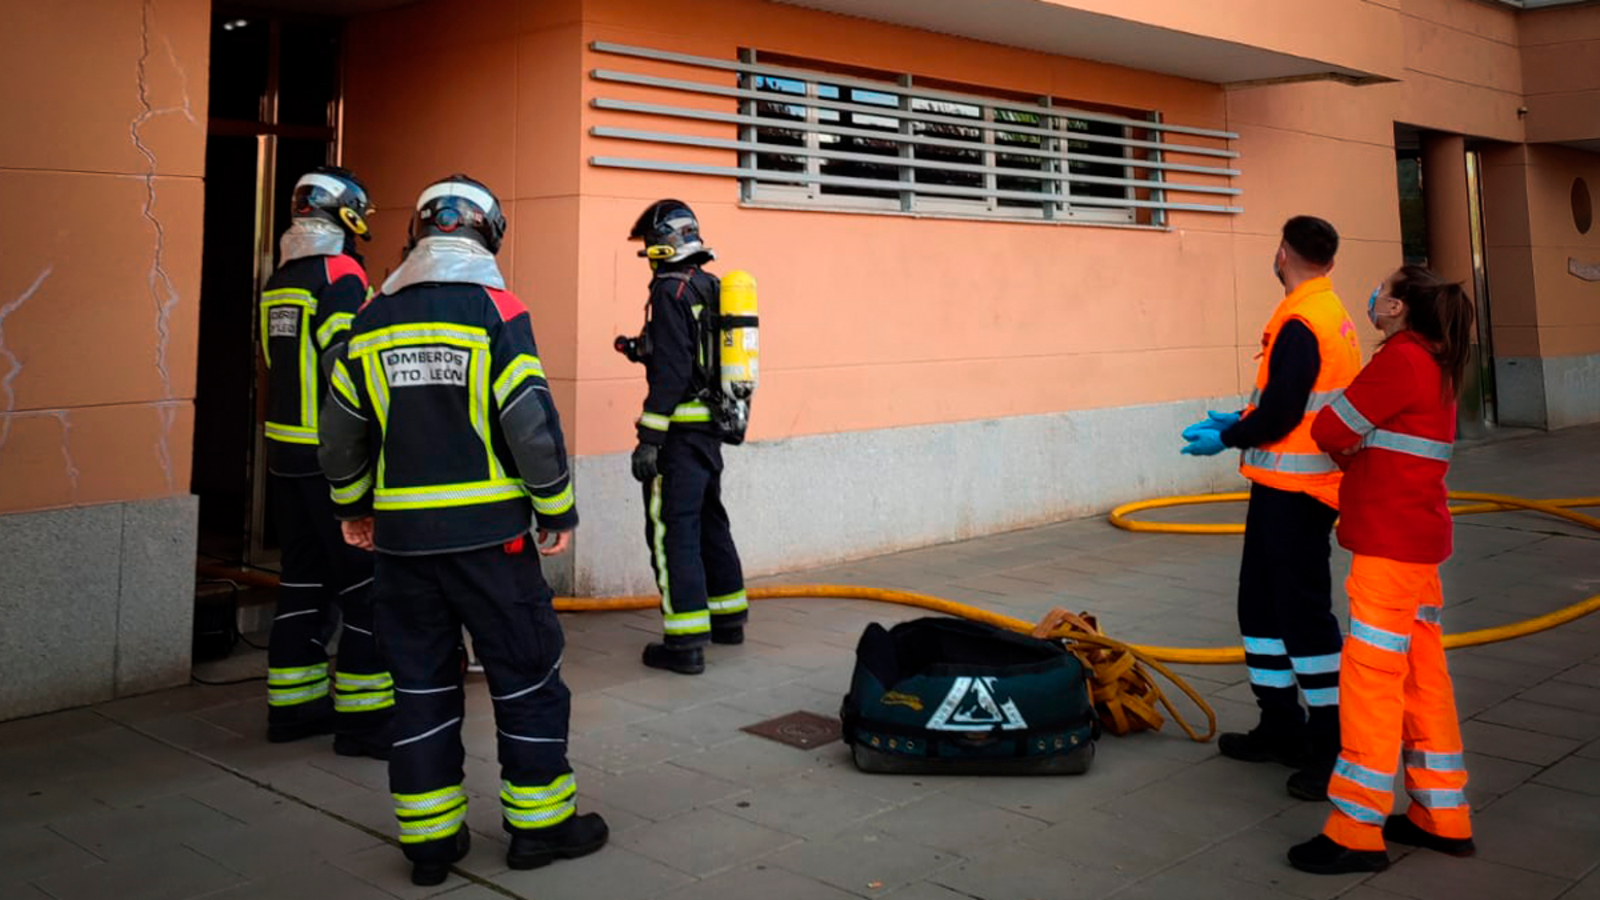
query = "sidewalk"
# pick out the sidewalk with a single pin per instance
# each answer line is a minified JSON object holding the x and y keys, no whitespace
{"x":176,"y":795}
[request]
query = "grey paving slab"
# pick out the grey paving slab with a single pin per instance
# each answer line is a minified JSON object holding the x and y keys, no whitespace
{"x":1541,"y":845}
{"x":835,"y":770}
{"x":1506,"y":742}
{"x":295,"y":836}
{"x":954,"y":824}
{"x":1587,"y":889}
{"x":143,"y":828}
{"x":1257,"y":856}
{"x":33,"y":851}
{"x":240,"y":800}
{"x":1590,"y":750}
{"x":803,"y":807}
{"x":322,"y":881}
{"x":705,"y":841}
{"x":1064,"y":798}
{"x":707,"y":725}
{"x":1573,"y":774}
{"x":758,"y":882}
{"x":1190,"y":881}
{"x":615,"y":873}
{"x":1114,"y":844}
{"x":178,"y":873}
{"x":1538,"y":717}
{"x":384,"y":867}
{"x":1585,"y":674}
{"x":624,"y":749}
{"x":593,"y":712}
{"x":863,"y":862}
{"x":1491,"y":776}
{"x":1022,"y":873}
{"x":1566,"y":695}
{"x":1213,"y":798}
{"x":926,"y":890}
{"x":670,"y":692}
{"x":749,"y":761}
{"x":1429,"y":876}
{"x":660,"y":792}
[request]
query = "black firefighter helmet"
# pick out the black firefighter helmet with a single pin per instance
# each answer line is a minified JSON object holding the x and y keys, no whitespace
{"x":333,"y":194}
{"x":670,"y":232}
{"x":459,"y":206}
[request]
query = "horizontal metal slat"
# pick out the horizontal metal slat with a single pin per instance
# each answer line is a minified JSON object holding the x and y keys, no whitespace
{"x":898,"y":113}
{"x":770,"y":176}
{"x":936,"y":165}
{"x":805,"y":75}
{"x":706,"y":115}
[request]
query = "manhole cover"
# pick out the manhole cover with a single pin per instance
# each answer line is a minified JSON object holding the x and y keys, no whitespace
{"x":798,"y":729}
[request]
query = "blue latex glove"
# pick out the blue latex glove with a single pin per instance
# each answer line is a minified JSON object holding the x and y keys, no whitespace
{"x":1205,"y":442}
{"x":1222,"y":421}
{"x":1214,"y":421}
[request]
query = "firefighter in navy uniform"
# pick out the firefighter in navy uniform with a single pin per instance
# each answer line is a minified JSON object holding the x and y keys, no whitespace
{"x":443,"y":444}
{"x":679,"y":456}
{"x":307,"y":306}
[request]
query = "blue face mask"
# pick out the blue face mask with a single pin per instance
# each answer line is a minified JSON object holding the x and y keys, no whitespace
{"x":1372,"y":306}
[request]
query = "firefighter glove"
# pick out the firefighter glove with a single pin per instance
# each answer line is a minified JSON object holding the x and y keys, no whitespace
{"x":644,"y":461}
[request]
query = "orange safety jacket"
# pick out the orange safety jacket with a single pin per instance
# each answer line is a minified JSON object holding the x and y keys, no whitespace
{"x":1296,"y":463}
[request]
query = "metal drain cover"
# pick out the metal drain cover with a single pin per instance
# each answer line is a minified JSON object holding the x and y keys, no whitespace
{"x":799,"y":729}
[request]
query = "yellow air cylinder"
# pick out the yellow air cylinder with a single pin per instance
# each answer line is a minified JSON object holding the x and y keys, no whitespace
{"x":741,"y":346}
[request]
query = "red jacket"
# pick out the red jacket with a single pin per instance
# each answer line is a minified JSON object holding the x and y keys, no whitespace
{"x":1392,"y":502}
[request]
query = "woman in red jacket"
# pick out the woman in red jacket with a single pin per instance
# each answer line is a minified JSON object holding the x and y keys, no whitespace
{"x":1392,"y":432}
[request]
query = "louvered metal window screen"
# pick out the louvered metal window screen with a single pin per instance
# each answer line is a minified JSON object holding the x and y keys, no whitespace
{"x":809,"y":138}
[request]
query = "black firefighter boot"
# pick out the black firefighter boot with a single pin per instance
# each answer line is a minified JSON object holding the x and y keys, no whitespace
{"x":577,"y":836}
{"x":434,"y":871}
{"x":683,"y":660}
{"x":1285,"y":746}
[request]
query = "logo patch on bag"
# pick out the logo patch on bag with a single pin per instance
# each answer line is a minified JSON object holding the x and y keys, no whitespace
{"x":971,"y":706}
{"x":414,"y":366}
{"x":895,"y":698}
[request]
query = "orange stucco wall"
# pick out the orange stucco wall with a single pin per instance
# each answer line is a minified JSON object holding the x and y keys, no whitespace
{"x":1561,"y":72}
{"x":506,"y":114}
{"x":880,"y":321}
{"x":1463,"y":70}
{"x":101,"y":164}
{"x":1539,"y":308}
{"x":981,"y":320}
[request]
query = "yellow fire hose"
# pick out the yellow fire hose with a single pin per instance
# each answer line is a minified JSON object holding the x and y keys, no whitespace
{"x":1129,"y":691}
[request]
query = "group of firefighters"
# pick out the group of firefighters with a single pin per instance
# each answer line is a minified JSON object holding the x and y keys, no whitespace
{"x":423,"y":404}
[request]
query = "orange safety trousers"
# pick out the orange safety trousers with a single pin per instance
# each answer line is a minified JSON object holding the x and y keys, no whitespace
{"x":1396,"y":704}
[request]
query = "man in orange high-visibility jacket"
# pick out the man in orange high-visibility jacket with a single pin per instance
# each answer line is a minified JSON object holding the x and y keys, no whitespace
{"x":1309,"y":353}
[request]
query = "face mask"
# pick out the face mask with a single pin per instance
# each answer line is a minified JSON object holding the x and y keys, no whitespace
{"x":1372,"y":306}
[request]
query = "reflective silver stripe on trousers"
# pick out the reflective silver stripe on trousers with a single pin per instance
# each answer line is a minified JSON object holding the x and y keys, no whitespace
{"x":1291,"y":463}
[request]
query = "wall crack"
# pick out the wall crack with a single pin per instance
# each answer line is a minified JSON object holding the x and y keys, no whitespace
{"x":163,"y":291}
{"x":14,"y":362}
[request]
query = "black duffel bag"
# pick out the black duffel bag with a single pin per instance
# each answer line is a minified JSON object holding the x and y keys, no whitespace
{"x":941,"y":695}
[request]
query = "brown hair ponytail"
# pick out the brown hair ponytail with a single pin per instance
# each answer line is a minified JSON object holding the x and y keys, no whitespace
{"x":1441,"y":313}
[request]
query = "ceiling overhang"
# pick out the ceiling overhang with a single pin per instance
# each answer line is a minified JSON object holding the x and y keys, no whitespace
{"x":1051,"y":27}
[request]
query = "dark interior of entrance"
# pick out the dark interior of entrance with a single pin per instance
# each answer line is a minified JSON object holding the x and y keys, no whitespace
{"x":275,"y":89}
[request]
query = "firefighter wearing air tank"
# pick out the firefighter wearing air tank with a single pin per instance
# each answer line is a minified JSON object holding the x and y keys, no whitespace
{"x":698,"y":348}
{"x":307,"y":307}
{"x":443,"y":445}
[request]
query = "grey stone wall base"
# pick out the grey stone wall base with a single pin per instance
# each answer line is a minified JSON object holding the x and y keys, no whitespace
{"x":95,"y":603}
{"x":1550,"y":392}
{"x":817,"y":500}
